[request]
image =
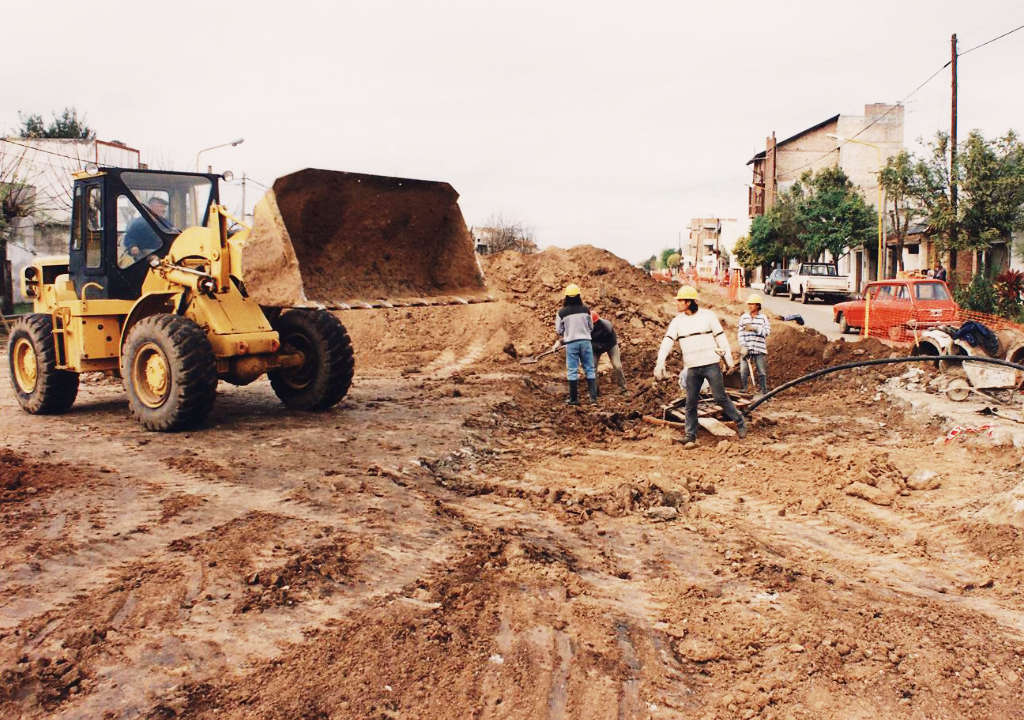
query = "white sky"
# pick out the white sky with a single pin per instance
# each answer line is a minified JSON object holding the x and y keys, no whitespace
{"x":591,"y":122}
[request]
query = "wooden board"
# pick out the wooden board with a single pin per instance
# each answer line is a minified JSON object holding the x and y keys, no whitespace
{"x":715,"y":427}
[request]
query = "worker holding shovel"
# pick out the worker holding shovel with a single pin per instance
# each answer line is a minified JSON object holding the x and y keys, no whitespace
{"x":752,"y":333}
{"x":573,"y":326}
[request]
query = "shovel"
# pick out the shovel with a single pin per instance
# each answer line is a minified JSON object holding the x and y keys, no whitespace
{"x":536,"y":358}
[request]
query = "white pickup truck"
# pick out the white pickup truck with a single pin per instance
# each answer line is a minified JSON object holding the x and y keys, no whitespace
{"x":820,"y":280}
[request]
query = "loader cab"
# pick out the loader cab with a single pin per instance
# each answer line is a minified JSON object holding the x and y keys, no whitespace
{"x":120,"y":217}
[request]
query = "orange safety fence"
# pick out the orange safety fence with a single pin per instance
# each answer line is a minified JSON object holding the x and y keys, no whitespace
{"x":904,"y":322}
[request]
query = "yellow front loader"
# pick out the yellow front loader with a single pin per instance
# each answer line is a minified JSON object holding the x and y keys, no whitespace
{"x":155,"y":287}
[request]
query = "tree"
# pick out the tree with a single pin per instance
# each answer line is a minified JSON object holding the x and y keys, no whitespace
{"x":65,"y":125}
{"x":990,"y":178}
{"x":897,"y":178}
{"x":673,"y":260}
{"x":664,"y":255}
{"x":17,"y":200}
{"x":501,"y":234}
{"x":833,"y":216}
{"x":773,"y":236}
{"x":745,"y":255}
{"x":650,"y":263}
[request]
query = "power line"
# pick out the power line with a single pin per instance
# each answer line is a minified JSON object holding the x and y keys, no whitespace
{"x":997,"y":37}
{"x":43,"y":150}
{"x":904,"y":100}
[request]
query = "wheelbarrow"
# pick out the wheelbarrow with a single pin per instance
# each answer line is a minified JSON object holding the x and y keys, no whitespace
{"x":998,"y":384}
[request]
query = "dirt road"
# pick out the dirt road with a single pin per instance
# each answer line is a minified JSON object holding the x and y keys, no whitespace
{"x":451,"y":542}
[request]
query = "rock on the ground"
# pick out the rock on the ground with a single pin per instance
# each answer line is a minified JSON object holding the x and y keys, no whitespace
{"x":922,"y":479}
{"x":698,"y":650}
{"x":871,"y":494}
{"x":662,"y":513}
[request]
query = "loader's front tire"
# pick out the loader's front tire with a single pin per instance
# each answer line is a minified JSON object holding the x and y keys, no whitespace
{"x":325,"y":376}
{"x":39,"y":386}
{"x":170,"y":373}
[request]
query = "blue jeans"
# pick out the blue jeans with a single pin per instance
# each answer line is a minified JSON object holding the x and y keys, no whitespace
{"x":695,"y":377}
{"x":760,"y":361}
{"x":579,"y":352}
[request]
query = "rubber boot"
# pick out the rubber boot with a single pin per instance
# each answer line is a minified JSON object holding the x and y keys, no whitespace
{"x":592,"y":387}
{"x":574,"y":393}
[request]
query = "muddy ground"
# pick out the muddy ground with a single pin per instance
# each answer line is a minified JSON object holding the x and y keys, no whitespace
{"x":452,"y":542}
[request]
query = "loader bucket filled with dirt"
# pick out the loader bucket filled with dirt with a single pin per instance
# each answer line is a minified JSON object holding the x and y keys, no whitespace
{"x":355,"y":240}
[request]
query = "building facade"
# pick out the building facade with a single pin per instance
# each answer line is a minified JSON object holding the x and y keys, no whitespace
{"x":829,"y":143}
{"x":43,"y":169}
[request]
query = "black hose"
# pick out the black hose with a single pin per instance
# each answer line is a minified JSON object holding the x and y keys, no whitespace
{"x":878,"y":361}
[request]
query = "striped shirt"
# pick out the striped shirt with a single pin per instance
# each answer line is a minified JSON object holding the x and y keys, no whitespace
{"x":753,"y":330}
{"x":700,"y":338}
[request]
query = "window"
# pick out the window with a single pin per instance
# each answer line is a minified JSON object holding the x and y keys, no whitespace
{"x":900,"y":293}
{"x":137,"y":233}
{"x":93,"y":226}
{"x":78,"y":210}
{"x":931,"y":291}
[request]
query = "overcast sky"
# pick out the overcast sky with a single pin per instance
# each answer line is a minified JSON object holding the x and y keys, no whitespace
{"x":591,"y":122}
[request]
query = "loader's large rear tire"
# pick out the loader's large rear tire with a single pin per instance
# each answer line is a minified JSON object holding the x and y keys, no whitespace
{"x":39,"y":386}
{"x":170,"y":373}
{"x":324,"y":378}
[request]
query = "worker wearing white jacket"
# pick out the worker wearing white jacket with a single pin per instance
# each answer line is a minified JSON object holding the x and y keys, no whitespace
{"x":702,"y":342}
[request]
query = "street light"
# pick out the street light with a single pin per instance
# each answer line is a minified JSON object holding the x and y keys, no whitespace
{"x":233,"y":143}
{"x":881,"y":251}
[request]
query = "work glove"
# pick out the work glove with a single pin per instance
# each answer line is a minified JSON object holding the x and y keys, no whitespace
{"x":659,"y":371}
{"x":558,"y":344}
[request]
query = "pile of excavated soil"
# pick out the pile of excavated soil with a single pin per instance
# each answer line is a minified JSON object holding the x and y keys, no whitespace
{"x":368,"y":236}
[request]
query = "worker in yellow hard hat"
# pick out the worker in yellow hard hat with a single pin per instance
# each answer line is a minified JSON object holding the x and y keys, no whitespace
{"x":702,"y":342}
{"x":752,"y":332}
{"x":573,"y":327}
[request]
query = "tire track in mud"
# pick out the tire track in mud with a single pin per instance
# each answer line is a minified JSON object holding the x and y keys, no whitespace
{"x":853,"y":561}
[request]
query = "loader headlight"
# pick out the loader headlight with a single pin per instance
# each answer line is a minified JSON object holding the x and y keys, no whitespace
{"x":227,"y":175}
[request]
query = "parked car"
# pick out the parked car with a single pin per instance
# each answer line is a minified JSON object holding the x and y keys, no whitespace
{"x":820,"y":280}
{"x":897,"y":309}
{"x":778,"y":282}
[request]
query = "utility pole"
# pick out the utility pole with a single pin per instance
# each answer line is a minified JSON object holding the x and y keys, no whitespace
{"x":952,"y":159}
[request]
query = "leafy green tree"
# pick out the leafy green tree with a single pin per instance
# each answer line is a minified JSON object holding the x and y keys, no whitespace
{"x":993,"y":189}
{"x":897,"y":178}
{"x":650,"y":263}
{"x":673,"y":260}
{"x":745,"y":255}
{"x":773,"y":236}
{"x":664,"y":255}
{"x":65,"y":125}
{"x":833,"y":216}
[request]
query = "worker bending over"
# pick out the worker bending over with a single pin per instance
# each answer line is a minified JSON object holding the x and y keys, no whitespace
{"x":702,"y":342}
{"x":573,"y":326}
{"x":603,"y":340}
{"x":752,"y":334}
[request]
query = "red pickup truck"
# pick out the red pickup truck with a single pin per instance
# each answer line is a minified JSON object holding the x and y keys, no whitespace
{"x":895,"y":308}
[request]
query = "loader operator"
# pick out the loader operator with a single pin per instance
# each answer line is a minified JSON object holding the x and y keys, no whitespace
{"x":141,"y":239}
{"x":573,"y":326}
{"x":702,"y":342}
{"x":603,"y":340}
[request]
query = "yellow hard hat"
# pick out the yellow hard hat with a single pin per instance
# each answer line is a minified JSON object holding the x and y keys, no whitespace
{"x":572,"y":290}
{"x":687,"y":292}
{"x":755,"y":298}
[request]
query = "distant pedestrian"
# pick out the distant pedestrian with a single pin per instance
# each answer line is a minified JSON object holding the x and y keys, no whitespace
{"x":603,"y":340}
{"x":752,"y":334}
{"x":573,"y":326}
{"x":940,"y":272}
{"x":702,"y":343}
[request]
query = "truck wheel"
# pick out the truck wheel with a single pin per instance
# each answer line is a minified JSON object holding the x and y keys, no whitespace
{"x":325,"y":376}
{"x":170,"y":373}
{"x":804,"y":297}
{"x":39,"y":386}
